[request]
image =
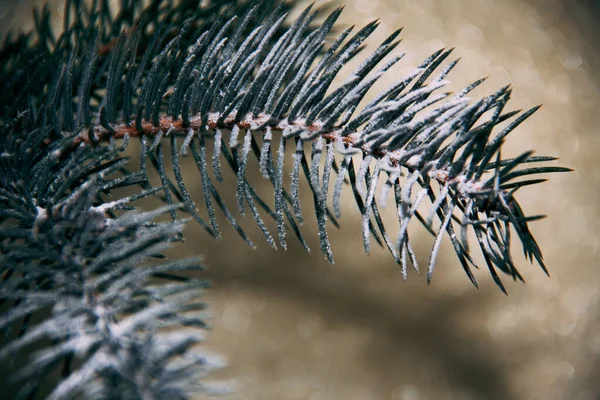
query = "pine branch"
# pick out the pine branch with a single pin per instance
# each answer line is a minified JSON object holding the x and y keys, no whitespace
{"x":235,"y":77}
{"x":260,"y":86}
{"x":250,"y":81}
{"x":67,"y":251}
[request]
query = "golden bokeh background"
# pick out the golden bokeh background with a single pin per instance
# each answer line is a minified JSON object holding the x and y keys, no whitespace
{"x":290,"y":326}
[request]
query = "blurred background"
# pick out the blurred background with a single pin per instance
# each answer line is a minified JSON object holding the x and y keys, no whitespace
{"x":291,"y":326}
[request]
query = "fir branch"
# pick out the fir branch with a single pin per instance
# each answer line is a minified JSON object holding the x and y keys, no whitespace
{"x":240,"y":75}
{"x":404,"y":131}
{"x":253,"y":83}
{"x":68,"y":252}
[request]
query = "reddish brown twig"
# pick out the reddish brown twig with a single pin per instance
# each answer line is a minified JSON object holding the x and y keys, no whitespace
{"x":196,"y":125}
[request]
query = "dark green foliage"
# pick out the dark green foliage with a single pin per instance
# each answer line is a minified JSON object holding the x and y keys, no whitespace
{"x":193,"y":75}
{"x":254,"y":84}
{"x":69,"y":252}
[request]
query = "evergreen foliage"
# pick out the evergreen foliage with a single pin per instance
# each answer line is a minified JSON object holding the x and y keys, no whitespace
{"x":231,"y":75}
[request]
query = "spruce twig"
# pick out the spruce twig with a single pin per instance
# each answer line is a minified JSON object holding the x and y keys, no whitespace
{"x":241,"y":75}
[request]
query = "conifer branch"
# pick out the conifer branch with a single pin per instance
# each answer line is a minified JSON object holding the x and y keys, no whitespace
{"x":265,"y":79}
{"x":67,"y":252}
{"x":247,"y":81}
{"x":240,"y":79}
